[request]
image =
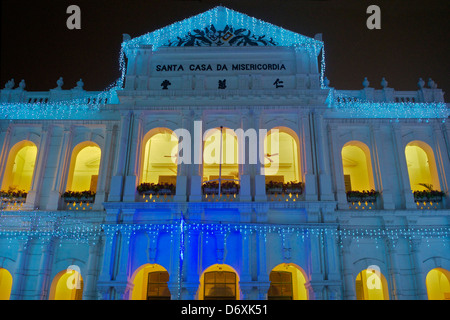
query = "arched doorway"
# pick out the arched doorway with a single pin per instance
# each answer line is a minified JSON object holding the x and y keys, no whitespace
{"x":287,"y":282}
{"x":160,"y":157}
{"x":84,"y":167}
{"x":281,"y":156}
{"x":219,"y":282}
{"x":438,"y":284}
{"x":6,"y":281}
{"x":421,"y":164}
{"x":67,"y":285}
{"x":371,"y":285}
{"x":20,"y":167}
{"x":357,"y":166}
{"x":150,"y":283}
{"x":220,"y":162}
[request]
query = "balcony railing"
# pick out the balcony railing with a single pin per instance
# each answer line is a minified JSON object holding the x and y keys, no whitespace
{"x":362,"y":200}
{"x":12,"y":204}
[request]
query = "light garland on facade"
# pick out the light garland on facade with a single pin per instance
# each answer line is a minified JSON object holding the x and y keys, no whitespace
{"x":360,"y":108}
{"x":220,"y":17}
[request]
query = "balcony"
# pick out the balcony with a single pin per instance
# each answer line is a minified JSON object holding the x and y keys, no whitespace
{"x":229,"y":191}
{"x":362,"y":200}
{"x":156,"y":192}
{"x":288,"y":192}
{"x":78,"y":200}
{"x":429,"y":199}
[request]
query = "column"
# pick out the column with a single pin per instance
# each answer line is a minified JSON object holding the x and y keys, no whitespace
{"x":47,"y":246}
{"x":308,"y":158}
{"x":18,"y":276}
{"x":421,"y":290}
{"x":117,"y":181}
{"x":263,"y":276}
{"x":39,"y":169}
{"x":4,"y":152}
{"x":257,"y":169}
{"x":403,"y":169}
{"x":347,"y":270}
{"x":90,"y":279}
{"x":382,"y":177}
{"x":197,"y":166}
{"x":321,"y":142}
{"x":133,"y":165}
{"x":105,"y":166}
{"x":442,"y":159}
{"x":341,"y":195}
{"x":244,"y":157}
{"x":394,"y":272}
{"x":62,"y":168}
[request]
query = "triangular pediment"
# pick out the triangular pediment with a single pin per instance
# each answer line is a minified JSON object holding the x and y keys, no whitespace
{"x":221,"y":26}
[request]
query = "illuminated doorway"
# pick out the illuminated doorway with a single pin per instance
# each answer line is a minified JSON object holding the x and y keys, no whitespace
{"x":151,"y":283}
{"x":84,"y":167}
{"x":5,"y":284}
{"x":421,"y":164}
{"x":371,"y":285}
{"x":20,"y":167}
{"x":67,"y":285}
{"x":357,"y":167}
{"x":220,"y":157}
{"x":281,"y":156}
{"x":219,"y":282}
{"x":160,"y":157}
{"x":438,"y":284}
{"x":287,"y":282}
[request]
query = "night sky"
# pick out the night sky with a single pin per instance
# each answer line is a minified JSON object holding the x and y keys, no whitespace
{"x":413,"y":41}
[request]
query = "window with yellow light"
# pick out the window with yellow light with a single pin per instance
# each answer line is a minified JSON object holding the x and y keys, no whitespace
{"x":281,"y":160}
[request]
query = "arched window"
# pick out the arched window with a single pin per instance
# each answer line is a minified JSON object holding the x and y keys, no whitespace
{"x":421,"y":164}
{"x":5,"y":284}
{"x":220,"y":155}
{"x":159,"y":156}
{"x":20,"y":167}
{"x":84,"y":167}
{"x":219,"y":285}
{"x":150,"y":283}
{"x":67,"y":285}
{"x":357,"y":167}
{"x":287,"y":282}
{"x":438,"y":284}
{"x":281,"y":156}
{"x":371,"y":285}
{"x":219,"y":282}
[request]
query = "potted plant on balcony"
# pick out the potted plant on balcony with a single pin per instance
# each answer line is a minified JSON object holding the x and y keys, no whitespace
{"x":274,"y":187}
{"x":210,"y":187}
{"x":83,"y":196}
{"x":365,"y":195}
{"x":429,"y":194}
{"x":13,"y":195}
{"x":229,"y":187}
{"x":156,"y":188}
{"x":293,"y":187}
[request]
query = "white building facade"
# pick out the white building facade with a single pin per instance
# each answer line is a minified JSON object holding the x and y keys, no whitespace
{"x":353,"y":229}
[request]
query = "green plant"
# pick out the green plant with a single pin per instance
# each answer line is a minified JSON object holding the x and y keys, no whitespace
{"x":365,"y":194}
{"x":13,"y":193}
{"x":430,"y":193}
{"x":87,"y":194}
{"x":146,"y":187}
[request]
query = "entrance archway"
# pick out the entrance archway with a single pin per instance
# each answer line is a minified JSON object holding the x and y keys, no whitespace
{"x":150,"y":283}
{"x":371,"y":285}
{"x":67,"y":285}
{"x":438,"y":284}
{"x":6,"y":281}
{"x":287,"y":282}
{"x":219,"y":282}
